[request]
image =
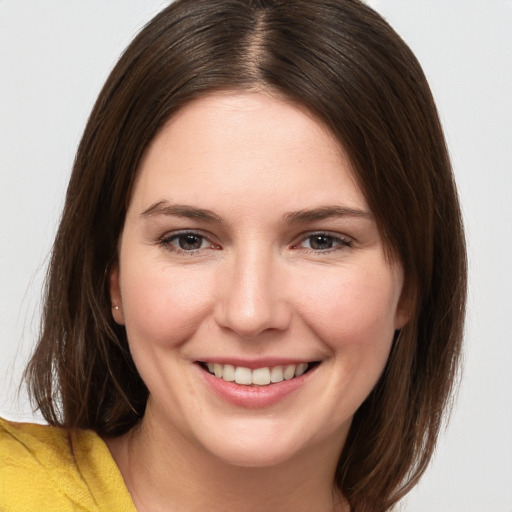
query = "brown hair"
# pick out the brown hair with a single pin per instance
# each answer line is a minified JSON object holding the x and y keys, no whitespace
{"x":343,"y":62}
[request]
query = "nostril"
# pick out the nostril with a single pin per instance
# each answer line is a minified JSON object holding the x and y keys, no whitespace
{"x":251,"y":295}
{"x":250,"y":321}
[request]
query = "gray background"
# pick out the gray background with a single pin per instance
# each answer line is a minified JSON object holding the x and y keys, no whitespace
{"x":54,"y":57}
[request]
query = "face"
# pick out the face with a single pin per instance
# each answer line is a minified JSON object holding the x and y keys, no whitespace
{"x":258,"y":303}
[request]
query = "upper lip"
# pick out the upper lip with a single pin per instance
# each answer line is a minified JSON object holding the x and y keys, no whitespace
{"x":255,"y":363}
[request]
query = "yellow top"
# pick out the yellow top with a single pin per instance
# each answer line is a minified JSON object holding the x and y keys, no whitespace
{"x":51,"y":469}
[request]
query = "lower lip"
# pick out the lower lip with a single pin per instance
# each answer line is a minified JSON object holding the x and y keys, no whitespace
{"x":253,"y":397}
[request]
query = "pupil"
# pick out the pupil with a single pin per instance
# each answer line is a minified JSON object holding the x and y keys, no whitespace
{"x":189,"y":242}
{"x":321,"y":242}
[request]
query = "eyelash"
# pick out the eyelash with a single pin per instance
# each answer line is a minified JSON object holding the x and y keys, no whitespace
{"x":338,"y":242}
{"x":167,"y":242}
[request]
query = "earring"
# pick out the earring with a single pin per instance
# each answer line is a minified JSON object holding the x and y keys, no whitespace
{"x":115,"y":307}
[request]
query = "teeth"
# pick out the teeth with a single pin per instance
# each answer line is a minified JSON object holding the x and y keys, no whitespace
{"x":229,"y":373}
{"x":217,"y":369}
{"x":259,"y":376}
{"x":289,"y":372}
{"x":301,"y":368}
{"x":276,"y":374}
{"x":243,"y":375}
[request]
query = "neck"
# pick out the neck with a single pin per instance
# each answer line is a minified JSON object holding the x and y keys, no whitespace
{"x":165,"y":472}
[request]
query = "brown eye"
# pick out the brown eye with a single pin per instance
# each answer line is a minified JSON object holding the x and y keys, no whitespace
{"x":189,"y":241}
{"x":321,"y":242}
{"x":324,"y":242}
{"x":186,"y":241}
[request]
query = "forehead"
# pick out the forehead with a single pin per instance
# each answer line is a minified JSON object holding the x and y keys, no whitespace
{"x":253,"y":144}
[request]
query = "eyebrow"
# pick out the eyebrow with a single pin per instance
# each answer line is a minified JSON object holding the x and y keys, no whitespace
{"x":325,"y":212}
{"x":181,"y":210}
{"x":298,"y":217}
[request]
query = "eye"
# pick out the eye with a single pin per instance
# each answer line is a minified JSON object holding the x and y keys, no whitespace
{"x":324,"y":242}
{"x":186,"y":241}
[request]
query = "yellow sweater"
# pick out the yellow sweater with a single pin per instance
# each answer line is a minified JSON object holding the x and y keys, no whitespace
{"x":50,"y":469}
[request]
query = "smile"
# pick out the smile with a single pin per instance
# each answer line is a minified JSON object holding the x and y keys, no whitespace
{"x":258,"y":376}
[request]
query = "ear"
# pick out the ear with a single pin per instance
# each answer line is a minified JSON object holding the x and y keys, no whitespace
{"x":115,"y":295}
{"x":403,"y":309}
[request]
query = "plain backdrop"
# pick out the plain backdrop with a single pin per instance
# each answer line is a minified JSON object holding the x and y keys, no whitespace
{"x":55,"y":56}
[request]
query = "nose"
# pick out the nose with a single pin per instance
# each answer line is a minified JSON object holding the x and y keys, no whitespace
{"x":253,"y":296}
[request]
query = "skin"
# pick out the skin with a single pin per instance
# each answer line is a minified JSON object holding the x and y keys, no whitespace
{"x":256,"y":285}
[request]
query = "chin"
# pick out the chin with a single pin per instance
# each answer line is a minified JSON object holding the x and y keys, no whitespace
{"x":253,"y":455}
{"x":268,"y":443}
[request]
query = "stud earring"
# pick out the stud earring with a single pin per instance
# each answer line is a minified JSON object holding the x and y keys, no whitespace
{"x":115,"y":307}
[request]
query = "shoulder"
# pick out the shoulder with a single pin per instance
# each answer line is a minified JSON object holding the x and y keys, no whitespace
{"x":32,"y":444}
{"x":47,"y":468}
{"x":38,"y":470}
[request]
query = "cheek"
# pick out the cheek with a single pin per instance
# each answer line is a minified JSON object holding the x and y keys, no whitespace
{"x":355,"y":311}
{"x":161,"y":307}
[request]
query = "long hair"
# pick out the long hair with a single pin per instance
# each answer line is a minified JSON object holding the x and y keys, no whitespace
{"x":343,"y":62}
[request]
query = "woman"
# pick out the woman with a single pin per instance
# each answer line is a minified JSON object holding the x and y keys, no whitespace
{"x":256,"y":293}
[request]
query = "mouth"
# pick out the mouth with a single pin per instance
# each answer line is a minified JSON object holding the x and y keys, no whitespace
{"x":264,"y":376}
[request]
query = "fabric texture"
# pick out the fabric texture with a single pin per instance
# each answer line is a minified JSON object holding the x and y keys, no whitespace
{"x":51,"y":469}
